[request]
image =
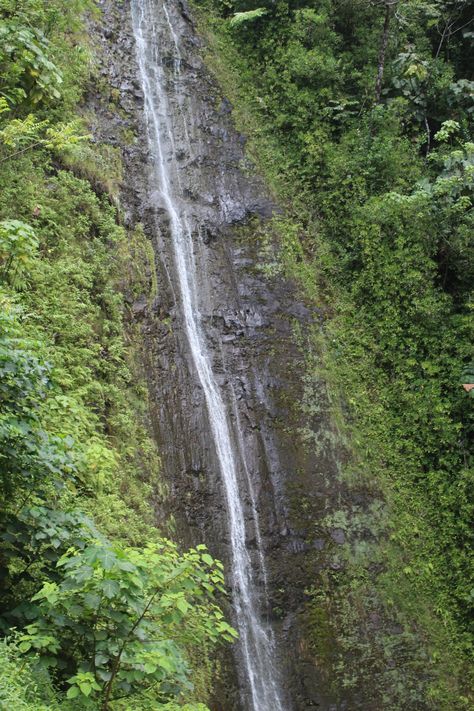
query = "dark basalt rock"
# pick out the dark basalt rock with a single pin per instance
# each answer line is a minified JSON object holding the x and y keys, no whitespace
{"x":338,"y":536}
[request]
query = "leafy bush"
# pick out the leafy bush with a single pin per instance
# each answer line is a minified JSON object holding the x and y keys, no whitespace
{"x":28,"y":73}
{"x":119,"y":619}
{"x":18,"y":248}
{"x":21,"y":688}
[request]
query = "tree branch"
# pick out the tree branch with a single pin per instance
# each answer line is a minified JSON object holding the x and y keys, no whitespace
{"x":23,"y":150}
{"x":116,"y":664}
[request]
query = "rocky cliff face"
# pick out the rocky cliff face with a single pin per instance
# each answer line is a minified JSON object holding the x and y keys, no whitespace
{"x":249,"y":320}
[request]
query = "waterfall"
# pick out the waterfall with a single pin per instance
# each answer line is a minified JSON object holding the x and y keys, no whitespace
{"x":164,"y":105}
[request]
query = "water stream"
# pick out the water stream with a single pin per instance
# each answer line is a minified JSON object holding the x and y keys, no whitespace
{"x":157,"y":37}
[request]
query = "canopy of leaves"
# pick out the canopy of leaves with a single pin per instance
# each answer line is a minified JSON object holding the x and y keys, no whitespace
{"x":242,"y":18}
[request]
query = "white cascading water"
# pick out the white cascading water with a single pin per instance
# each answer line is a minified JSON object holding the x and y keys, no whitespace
{"x":151,"y":22}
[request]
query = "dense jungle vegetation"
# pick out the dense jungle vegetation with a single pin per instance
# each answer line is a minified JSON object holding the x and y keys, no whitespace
{"x":359,"y":114}
{"x":98,"y":610}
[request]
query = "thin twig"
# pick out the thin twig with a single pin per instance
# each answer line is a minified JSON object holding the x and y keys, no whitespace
{"x":23,"y":150}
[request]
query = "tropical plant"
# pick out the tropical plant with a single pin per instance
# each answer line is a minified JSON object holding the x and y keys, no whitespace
{"x":28,"y":74}
{"x":118,"y":621}
{"x":18,"y":249}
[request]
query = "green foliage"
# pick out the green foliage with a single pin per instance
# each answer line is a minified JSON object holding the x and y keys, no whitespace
{"x":28,"y":73}
{"x":242,"y":18}
{"x":30,"y":458}
{"x":30,"y":77}
{"x":18,"y":248}
{"x":21,"y":688}
{"x":23,"y":134}
{"x":54,"y":17}
{"x":451,"y":195}
{"x":120,"y":618}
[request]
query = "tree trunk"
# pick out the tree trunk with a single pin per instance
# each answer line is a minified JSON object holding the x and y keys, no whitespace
{"x":383,"y":50}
